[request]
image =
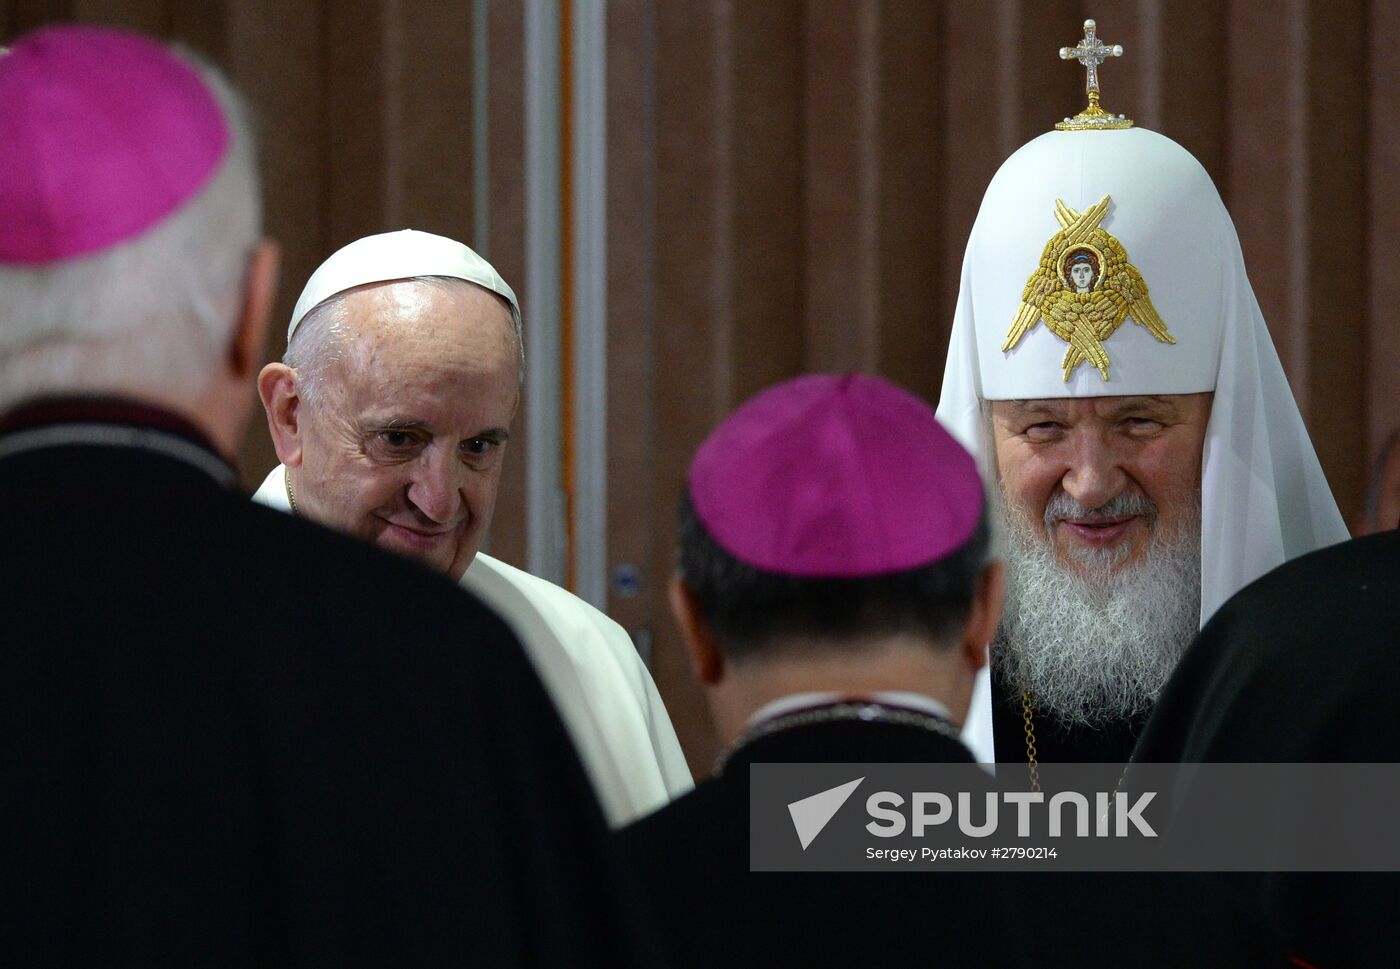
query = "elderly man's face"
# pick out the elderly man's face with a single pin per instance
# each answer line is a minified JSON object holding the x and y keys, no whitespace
{"x":1110,"y":471}
{"x":405,"y":444}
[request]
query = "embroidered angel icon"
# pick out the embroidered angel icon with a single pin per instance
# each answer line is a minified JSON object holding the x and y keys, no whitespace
{"x":1083,"y":289}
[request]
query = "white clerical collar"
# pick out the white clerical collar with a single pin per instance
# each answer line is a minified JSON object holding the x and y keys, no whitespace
{"x":801,"y":701}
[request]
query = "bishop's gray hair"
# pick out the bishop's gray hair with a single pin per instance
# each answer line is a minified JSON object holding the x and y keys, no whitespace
{"x":320,"y":338}
{"x":152,"y":313}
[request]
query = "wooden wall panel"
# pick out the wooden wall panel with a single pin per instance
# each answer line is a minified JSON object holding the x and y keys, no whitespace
{"x":362,"y":96}
{"x":204,"y":25}
{"x":1332,"y":266}
{"x":273,"y":51}
{"x":1382,"y":227}
{"x":1189,"y":61}
{"x":631,"y":425}
{"x":505,"y":242}
{"x":147,"y":16}
{"x":694,"y":309}
{"x":841,"y":213}
{"x":1265,"y":139}
{"x":911,"y":264}
{"x":763,"y":53}
{"x":432,"y":167}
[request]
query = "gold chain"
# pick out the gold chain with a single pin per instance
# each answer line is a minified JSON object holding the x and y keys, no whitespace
{"x":291,"y":495}
{"x":1031,"y":762}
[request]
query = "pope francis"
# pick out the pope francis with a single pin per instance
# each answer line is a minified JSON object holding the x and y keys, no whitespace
{"x":390,"y":413}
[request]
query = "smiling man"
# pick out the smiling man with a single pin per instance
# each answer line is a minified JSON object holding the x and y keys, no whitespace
{"x":391,"y":413}
{"x":403,"y":428}
{"x":1110,"y":368}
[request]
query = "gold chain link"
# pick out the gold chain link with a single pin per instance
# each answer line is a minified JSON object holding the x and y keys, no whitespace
{"x":1031,"y":762}
{"x":291,"y":495}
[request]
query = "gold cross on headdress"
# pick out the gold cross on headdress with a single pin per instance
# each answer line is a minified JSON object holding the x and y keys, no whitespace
{"x":1091,"y":52}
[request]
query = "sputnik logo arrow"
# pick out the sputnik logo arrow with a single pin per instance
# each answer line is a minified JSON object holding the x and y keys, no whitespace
{"x":811,"y":814}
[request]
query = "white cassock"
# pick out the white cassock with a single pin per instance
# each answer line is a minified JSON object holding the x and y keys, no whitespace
{"x":599,"y":684}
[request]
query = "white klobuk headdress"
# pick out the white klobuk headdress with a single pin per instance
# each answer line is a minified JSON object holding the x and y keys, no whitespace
{"x":1164,"y":307}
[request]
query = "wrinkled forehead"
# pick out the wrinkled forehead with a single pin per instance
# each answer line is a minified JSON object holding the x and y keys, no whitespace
{"x":412,"y":333}
{"x":451,"y":310}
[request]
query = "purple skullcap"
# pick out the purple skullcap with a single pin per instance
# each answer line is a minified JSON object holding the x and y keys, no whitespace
{"x":835,"y":476}
{"x":104,"y":134}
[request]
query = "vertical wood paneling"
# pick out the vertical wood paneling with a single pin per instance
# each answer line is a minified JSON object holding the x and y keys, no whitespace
{"x":694,"y":215}
{"x":147,"y":16}
{"x":434,"y":143}
{"x":1297,"y":189}
{"x":1192,"y":81}
{"x":360,"y":92}
{"x":1132,"y":84}
{"x":25,"y":15}
{"x":766,"y":277}
{"x":1260,"y":189}
{"x":203,"y":25}
{"x":841,"y":213}
{"x":274,"y":53}
{"x":632,"y":511}
{"x":728,"y":256}
{"x":1382,"y":222}
{"x":506,"y":248}
{"x":911,"y":264}
{"x":1049,"y":88}
{"x":1334,"y":272}
{"x":977,"y":85}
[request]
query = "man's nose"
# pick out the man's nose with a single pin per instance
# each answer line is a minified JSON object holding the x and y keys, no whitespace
{"x":1095,"y":474}
{"x":435,"y":488}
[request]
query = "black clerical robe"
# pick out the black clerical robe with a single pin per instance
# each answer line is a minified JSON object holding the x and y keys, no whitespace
{"x":1302,"y":666}
{"x":692,"y":858}
{"x":1110,"y":743}
{"x":234,"y":738}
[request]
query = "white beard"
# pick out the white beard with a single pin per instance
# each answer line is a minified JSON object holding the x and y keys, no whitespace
{"x":1098,"y":647}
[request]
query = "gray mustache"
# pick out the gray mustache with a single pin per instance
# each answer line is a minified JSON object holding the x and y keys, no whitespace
{"x":1061,"y":505}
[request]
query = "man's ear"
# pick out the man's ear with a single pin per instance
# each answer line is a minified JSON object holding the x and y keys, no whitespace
{"x":281,"y":399}
{"x":245,"y":350}
{"x":706,"y":659}
{"x":984,"y":615}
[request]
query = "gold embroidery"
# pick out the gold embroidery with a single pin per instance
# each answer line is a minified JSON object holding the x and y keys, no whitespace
{"x":1091,"y":52}
{"x":1083,"y":289}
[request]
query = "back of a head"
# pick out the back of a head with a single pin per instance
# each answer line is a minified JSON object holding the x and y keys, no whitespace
{"x":831,"y":511}
{"x":129,"y":207}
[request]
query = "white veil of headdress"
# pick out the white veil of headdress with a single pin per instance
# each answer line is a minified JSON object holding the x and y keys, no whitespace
{"x":1263,"y":495}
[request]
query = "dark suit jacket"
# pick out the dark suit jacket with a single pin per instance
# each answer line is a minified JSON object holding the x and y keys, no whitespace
{"x":692,"y":857}
{"x":233,"y":738}
{"x":1302,"y":666}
